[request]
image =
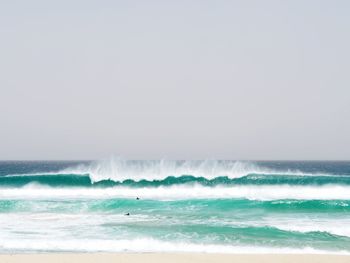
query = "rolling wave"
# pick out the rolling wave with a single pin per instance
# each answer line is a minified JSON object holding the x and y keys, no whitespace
{"x":78,"y":180}
{"x":119,"y":170}
{"x":210,"y":173}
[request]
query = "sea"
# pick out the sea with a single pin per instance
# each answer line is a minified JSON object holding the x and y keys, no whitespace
{"x":210,"y":206}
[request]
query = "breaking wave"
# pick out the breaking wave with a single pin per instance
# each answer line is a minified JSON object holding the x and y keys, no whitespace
{"x":211,"y":173}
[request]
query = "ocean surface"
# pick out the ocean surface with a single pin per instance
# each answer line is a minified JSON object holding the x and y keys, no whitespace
{"x":175,"y":206}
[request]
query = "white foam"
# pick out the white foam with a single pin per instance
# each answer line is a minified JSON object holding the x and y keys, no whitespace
{"x":252,"y":192}
{"x":290,"y":222}
{"x":143,"y":245}
{"x":333,"y":226}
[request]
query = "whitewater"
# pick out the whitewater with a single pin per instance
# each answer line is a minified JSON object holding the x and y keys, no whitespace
{"x":175,"y":206}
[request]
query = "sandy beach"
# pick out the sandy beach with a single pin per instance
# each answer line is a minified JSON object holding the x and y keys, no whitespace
{"x":169,"y":257}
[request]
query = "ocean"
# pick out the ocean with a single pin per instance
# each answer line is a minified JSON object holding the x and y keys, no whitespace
{"x":175,"y":206}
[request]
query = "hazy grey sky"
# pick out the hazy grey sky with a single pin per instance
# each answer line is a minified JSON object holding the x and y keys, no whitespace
{"x":175,"y":79}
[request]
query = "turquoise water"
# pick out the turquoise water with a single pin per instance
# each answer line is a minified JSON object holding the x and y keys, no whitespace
{"x":198,"y":206}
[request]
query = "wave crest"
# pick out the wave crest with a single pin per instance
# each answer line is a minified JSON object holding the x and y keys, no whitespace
{"x":119,"y":170}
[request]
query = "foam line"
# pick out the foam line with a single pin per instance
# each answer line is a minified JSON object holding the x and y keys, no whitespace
{"x":144,"y":245}
{"x":252,"y":192}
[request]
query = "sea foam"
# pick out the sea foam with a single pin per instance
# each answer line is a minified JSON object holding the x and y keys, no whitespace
{"x":251,"y":192}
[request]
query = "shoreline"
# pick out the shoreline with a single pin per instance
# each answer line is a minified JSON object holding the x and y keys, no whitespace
{"x":172,"y":258}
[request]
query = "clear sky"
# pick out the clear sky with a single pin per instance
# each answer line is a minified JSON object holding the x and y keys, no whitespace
{"x":175,"y":79}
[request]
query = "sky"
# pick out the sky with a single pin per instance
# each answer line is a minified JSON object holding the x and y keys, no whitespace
{"x":245,"y":79}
